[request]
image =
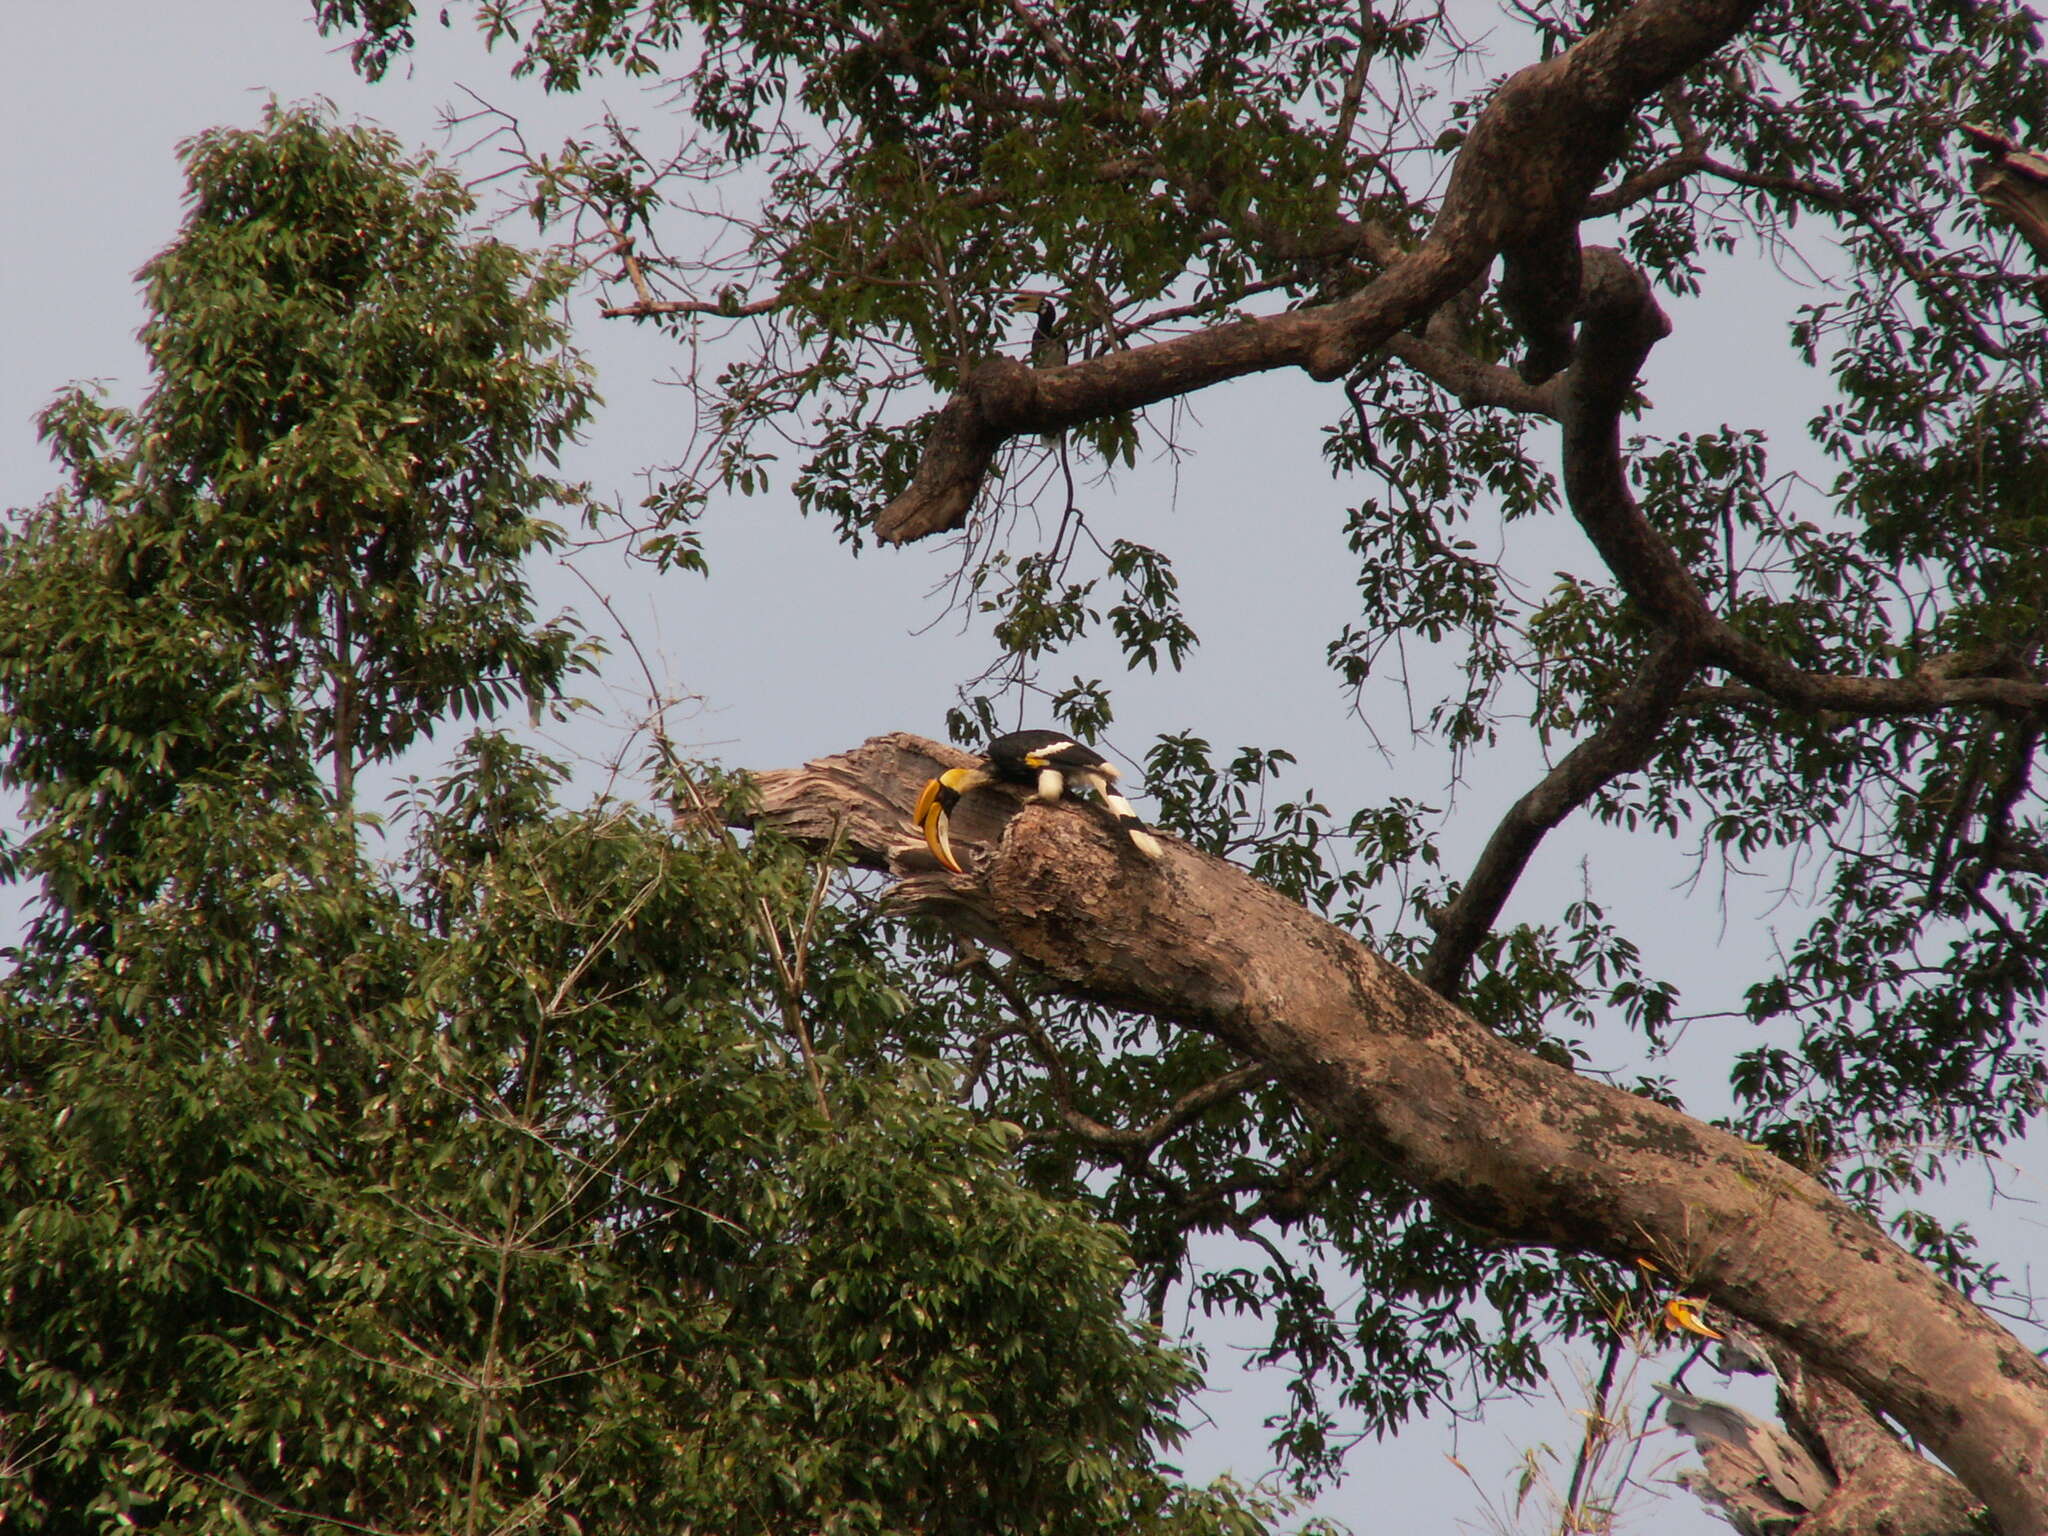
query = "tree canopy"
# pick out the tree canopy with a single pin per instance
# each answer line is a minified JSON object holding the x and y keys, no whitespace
{"x":478,"y":1188}
{"x":1466,"y":226}
{"x":1833,"y":668}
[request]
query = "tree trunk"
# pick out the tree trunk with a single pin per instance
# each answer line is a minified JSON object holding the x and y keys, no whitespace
{"x":1515,"y":1145}
{"x":1884,"y":1487}
{"x":1840,"y":1472}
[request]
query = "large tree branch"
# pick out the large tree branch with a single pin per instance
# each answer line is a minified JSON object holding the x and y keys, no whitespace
{"x":1840,"y":1472}
{"x":1493,"y":1135}
{"x":1621,"y":322}
{"x":1850,"y":697}
{"x":1001,"y":399}
{"x":1882,"y":1485}
{"x":1472,"y":380}
{"x":2014,"y":181}
{"x":1517,"y":190}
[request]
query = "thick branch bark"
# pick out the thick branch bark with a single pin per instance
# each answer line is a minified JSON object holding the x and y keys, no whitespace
{"x":1002,"y":399}
{"x":1494,"y":1136}
{"x":1839,"y":1472}
{"x":1859,"y":697}
{"x":2014,"y":181}
{"x":1518,"y":189}
{"x":1474,"y":381}
{"x":1882,"y":1485}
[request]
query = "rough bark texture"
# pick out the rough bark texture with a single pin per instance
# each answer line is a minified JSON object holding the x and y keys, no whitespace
{"x":1753,"y":1470}
{"x":1840,"y":1472}
{"x":1884,"y":1488}
{"x":2014,"y":181}
{"x":1500,"y":1139}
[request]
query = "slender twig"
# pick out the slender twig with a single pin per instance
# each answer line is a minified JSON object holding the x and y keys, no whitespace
{"x":1597,"y":1426}
{"x":1131,"y":1144}
{"x":789,"y":967}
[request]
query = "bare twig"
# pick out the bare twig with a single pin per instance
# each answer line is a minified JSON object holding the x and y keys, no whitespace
{"x":1621,"y":746}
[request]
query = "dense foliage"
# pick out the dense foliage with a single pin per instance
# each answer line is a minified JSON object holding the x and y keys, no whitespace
{"x":917,"y":165}
{"x":571,"y":1140}
{"x":562,"y":1171}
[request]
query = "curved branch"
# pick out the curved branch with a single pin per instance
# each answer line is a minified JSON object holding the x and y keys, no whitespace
{"x":1001,"y":399}
{"x":1647,"y":182}
{"x":1518,"y":189}
{"x":1621,"y":746}
{"x":1134,"y":1144}
{"x":1620,"y":322}
{"x":1883,"y":1485}
{"x":1474,"y":382}
{"x":1856,"y":207}
{"x":1130,"y":1145}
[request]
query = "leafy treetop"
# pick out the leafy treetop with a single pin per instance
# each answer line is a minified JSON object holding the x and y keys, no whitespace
{"x":482,"y":1189}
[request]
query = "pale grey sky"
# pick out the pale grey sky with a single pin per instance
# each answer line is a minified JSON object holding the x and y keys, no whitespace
{"x":796,"y":650}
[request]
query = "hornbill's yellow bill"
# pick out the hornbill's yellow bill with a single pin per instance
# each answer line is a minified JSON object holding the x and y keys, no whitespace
{"x":1050,"y":764}
{"x":935,"y":806}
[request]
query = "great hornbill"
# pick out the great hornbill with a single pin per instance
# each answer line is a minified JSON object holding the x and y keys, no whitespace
{"x":1051,"y":764}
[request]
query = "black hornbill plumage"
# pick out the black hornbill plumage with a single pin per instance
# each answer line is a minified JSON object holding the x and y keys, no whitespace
{"x":1050,"y":764}
{"x":1049,"y":346}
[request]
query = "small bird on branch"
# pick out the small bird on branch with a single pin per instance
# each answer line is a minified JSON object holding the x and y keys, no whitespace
{"x":1046,"y":762}
{"x":1050,"y":347}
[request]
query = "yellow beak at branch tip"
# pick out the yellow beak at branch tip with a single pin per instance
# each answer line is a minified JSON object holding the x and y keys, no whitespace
{"x":930,"y":816}
{"x":1683,"y":1313}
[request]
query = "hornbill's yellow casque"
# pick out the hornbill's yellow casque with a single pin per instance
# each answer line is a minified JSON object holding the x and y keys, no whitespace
{"x":1051,"y":764}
